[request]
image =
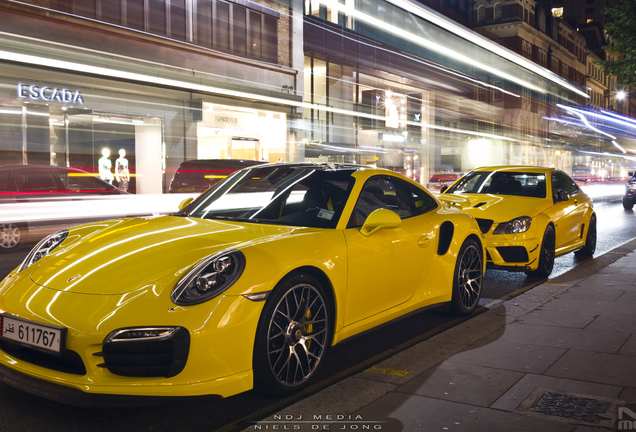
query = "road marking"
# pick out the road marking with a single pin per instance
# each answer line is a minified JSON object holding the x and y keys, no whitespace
{"x":559,"y":284}
{"x":389,"y":371}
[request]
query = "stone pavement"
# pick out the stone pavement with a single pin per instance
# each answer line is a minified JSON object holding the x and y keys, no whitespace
{"x":559,"y":357}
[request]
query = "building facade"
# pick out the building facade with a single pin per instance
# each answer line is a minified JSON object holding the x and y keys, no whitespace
{"x":392,"y":83}
{"x":165,"y":81}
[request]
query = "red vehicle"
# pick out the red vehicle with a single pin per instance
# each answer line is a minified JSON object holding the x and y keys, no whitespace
{"x":438,"y":181}
{"x":26,"y":191}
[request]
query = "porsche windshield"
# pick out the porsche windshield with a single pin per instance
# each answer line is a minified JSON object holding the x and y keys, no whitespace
{"x":528,"y":184}
{"x":298,"y":195}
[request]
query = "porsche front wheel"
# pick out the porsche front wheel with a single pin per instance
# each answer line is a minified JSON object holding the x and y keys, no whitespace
{"x":467,"y":279}
{"x":292,"y":336}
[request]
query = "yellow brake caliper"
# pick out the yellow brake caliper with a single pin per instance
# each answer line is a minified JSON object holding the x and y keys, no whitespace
{"x":308,"y":328}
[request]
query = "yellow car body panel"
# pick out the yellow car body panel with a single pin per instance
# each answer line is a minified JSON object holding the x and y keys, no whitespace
{"x":570,"y":218}
{"x":120,"y":274}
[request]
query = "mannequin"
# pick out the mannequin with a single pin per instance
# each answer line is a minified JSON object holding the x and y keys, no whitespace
{"x":121,"y":171}
{"x":105,"y":165}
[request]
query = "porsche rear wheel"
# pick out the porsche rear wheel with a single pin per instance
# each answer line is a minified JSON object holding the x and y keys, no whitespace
{"x":547,"y":254}
{"x":10,"y":236}
{"x":292,"y":336}
{"x":467,"y":279}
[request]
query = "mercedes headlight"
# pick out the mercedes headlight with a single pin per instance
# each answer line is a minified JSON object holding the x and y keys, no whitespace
{"x":43,"y":248}
{"x":209,"y":278}
{"x":515,"y":226}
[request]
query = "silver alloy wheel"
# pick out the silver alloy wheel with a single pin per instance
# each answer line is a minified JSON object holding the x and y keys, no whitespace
{"x":297,"y":334}
{"x":470,"y":277}
{"x":9,"y":235}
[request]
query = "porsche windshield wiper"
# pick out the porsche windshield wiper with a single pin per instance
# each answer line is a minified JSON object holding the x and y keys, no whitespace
{"x":231,"y":218}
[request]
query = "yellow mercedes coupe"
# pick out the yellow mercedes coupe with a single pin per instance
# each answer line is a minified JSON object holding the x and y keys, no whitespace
{"x":246,"y":286}
{"x":529,"y":215}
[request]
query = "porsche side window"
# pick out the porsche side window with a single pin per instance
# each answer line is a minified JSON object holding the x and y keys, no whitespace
{"x":420,"y":201}
{"x":380,"y":192}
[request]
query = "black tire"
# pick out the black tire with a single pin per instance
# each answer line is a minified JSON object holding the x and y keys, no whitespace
{"x":628,"y":204}
{"x":11,"y":236}
{"x":293,"y":334}
{"x":590,"y":239}
{"x":547,"y":254}
{"x":467,"y":279}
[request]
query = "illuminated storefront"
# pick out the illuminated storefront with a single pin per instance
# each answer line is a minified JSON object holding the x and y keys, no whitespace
{"x":62,"y":122}
{"x":132,"y":90}
{"x":230,"y":132}
{"x":109,"y":128}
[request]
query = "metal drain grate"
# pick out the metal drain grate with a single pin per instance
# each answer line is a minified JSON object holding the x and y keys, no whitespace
{"x":574,"y":407}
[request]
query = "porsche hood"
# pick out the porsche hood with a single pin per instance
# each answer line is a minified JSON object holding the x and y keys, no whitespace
{"x":119,"y":256}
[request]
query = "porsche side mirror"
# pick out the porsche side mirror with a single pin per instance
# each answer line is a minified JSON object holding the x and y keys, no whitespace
{"x":561,"y":195}
{"x":185,"y":203}
{"x":378,"y":220}
{"x":443,"y":189}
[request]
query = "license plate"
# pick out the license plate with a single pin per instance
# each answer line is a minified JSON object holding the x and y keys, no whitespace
{"x":39,"y":336}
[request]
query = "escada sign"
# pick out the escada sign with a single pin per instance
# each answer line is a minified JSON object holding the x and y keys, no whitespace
{"x":49,"y":94}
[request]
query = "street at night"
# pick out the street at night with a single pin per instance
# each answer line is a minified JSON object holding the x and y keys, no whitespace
{"x":616,"y":227}
{"x":265,"y":215}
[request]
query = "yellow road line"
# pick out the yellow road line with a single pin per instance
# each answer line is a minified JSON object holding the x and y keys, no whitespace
{"x":388,"y":371}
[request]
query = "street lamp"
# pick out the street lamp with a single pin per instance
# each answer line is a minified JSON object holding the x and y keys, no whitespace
{"x":620,"y":95}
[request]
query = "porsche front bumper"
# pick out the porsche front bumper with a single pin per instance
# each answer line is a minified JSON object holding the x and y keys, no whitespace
{"x":212,"y":356}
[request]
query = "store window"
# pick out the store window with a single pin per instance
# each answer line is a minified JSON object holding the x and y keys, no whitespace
{"x":390,"y":130}
{"x":61,"y":125}
{"x":228,"y":132}
{"x":248,"y":31}
{"x":230,"y":27}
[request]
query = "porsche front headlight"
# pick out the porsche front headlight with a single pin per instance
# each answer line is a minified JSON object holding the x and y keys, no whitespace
{"x":43,"y":248}
{"x":515,"y":226}
{"x":209,"y":278}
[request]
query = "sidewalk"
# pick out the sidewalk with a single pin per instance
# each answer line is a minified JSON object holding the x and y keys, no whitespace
{"x":559,"y":357}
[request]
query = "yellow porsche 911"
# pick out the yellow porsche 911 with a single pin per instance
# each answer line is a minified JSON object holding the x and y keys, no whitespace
{"x":248,"y":285}
{"x":529,"y":215}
